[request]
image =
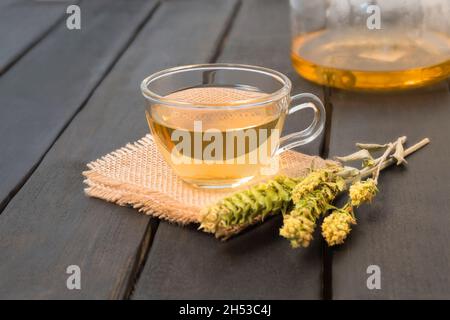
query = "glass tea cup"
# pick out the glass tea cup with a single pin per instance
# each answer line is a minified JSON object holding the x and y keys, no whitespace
{"x":219,"y":125}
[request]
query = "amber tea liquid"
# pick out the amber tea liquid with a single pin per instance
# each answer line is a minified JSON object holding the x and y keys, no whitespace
{"x":257,"y":125}
{"x":380,"y":60}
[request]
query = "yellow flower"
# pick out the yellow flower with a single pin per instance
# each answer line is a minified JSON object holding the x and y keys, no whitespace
{"x":311,"y":182}
{"x":363,"y":191}
{"x":336,"y":226}
{"x":311,"y":197}
{"x":298,"y":229}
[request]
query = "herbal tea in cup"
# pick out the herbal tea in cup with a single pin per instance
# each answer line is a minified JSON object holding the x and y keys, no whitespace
{"x":219,"y":125}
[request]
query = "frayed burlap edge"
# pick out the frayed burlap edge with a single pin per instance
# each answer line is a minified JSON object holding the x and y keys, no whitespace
{"x":149,"y":202}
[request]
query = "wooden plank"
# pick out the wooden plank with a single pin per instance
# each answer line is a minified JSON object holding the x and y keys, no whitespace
{"x":49,"y":85}
{"x":186,"y":264}
{"x":51,"y":224}
{"x":23,"y":24}
{"x":406,"y":229}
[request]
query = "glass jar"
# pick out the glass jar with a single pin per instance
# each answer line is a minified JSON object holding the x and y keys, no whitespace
{"x":371,"y":45}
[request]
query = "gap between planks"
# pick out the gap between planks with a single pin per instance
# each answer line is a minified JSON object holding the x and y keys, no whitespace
{"x":20,"y":184}
{"x":327,"y":253}
{"x":141,"y":257}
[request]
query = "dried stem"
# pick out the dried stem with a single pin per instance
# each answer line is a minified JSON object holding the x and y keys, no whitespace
{"x":388,"y":162}
{"x":383,"y":158}
{"x":351,"y":174}
{"x":337,"y":225}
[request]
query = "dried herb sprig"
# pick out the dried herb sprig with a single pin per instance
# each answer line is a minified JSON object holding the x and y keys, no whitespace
{"x":244,"y":208}
{"x":336,"y":226}
{"x":303,"y":201}
{"x":311,"y":197}
{"x":299,"y":224}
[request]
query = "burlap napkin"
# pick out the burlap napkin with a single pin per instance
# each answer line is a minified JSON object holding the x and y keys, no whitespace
{"x":137,"y":175}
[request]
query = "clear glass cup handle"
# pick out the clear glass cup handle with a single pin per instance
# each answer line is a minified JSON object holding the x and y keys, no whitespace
{"x":300,"y":102}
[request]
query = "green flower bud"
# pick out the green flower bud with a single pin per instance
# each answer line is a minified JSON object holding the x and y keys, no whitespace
{"x":247,"y":207}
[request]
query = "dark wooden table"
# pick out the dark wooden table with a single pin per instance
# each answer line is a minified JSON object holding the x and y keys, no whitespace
{"x":70,"y":96}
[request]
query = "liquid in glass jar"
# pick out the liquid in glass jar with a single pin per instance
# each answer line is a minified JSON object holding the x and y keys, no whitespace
{"x":381,"y":60}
